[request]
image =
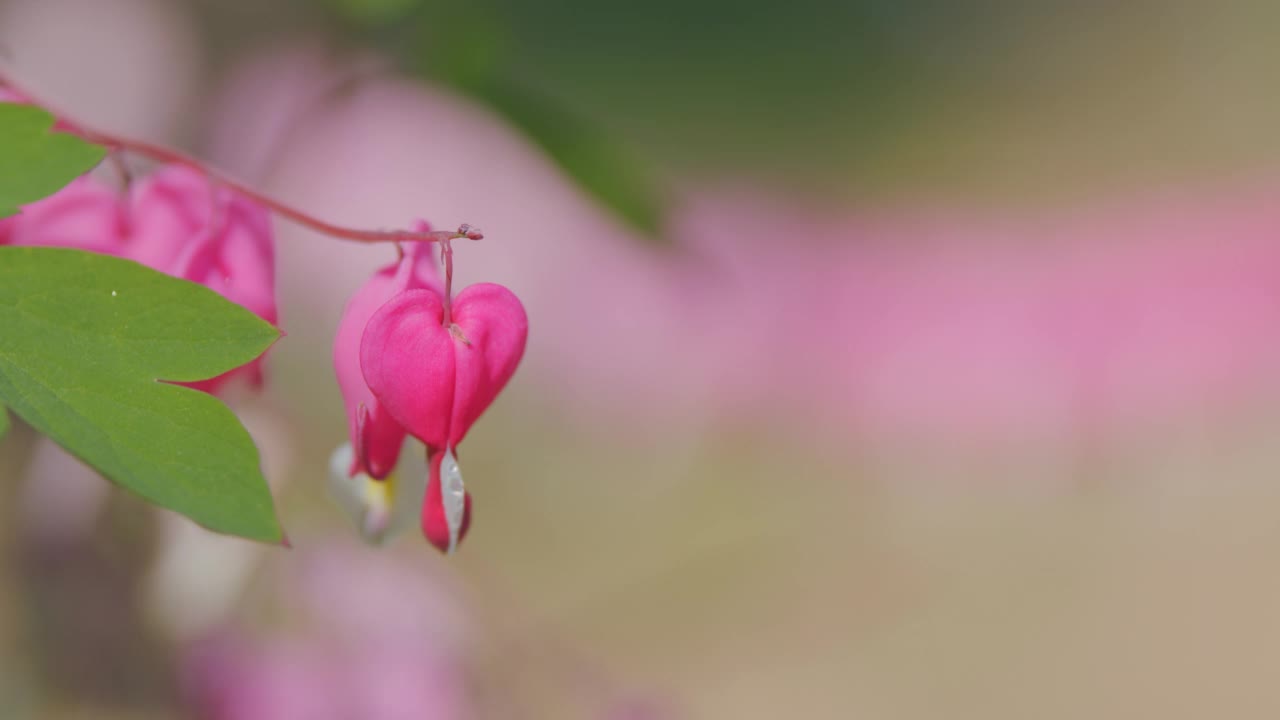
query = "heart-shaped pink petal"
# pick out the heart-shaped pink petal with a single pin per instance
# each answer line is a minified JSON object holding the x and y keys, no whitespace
{"x":496,"y":326}
{"x":407,"y":358}
{"x":435,"y":383}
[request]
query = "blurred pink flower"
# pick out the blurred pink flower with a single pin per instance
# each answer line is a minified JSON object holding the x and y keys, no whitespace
{"x":990,"y":328}
{"x":371,"y":638}
{"x":85,"y":214}
{"x":175,"y":221}
{"x":183,"y":225}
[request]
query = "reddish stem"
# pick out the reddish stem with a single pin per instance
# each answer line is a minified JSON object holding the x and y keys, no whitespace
{"x":162,"y":154}
{"x":446,"y":255}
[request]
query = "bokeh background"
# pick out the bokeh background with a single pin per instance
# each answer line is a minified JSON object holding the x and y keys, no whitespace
{"x":888,"y":360}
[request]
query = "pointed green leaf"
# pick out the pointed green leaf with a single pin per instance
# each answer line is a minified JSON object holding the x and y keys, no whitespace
{"x":4,"y":422}
{"x":85,"y":341}
{"x":37,"y":163}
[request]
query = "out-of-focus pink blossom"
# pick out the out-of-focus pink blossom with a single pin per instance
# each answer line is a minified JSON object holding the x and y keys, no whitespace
{"x":183,"y":225}
{"x":980,"y":327}
{"x":371,"y":638}
{"x":86,"y":215}
{"x":175,"y":221}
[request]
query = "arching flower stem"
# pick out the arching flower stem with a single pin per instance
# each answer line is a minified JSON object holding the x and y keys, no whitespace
{"x":162,"y":154}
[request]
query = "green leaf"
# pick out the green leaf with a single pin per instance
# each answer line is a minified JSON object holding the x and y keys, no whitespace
{"x":37,"y":163}
{"x":4,"y":422}
{"x":85,"y":340}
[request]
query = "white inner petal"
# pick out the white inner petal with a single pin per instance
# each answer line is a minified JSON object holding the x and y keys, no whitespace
{"x":454,"y":496}
{"x":381,"y":509}
{"x":340,"y":461}
{"x":410,"y":489}
{"x":365,"y":500}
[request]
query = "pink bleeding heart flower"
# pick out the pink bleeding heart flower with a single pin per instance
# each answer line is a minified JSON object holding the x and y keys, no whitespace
{"x":183,"y":225}
{"x":174,"y":221}
{"x":435,"y":366}
{"x":430,"y":365}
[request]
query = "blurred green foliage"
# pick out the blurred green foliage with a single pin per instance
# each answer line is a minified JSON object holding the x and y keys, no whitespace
{"x":472,"y":49}
{"x":993,"y":99}
{"x":747,"y":87}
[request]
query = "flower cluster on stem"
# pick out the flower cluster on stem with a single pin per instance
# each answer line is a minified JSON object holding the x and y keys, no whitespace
{"x":410,"y":357}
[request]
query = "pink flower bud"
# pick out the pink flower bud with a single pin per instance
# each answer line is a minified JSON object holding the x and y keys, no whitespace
{"x":375,"y":437}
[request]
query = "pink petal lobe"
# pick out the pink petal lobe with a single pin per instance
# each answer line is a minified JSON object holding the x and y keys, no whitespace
{"x":378,"y":442}
{"x":496,"y":326}
{"x":407,"y":358}
{"x":375,"y":435}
